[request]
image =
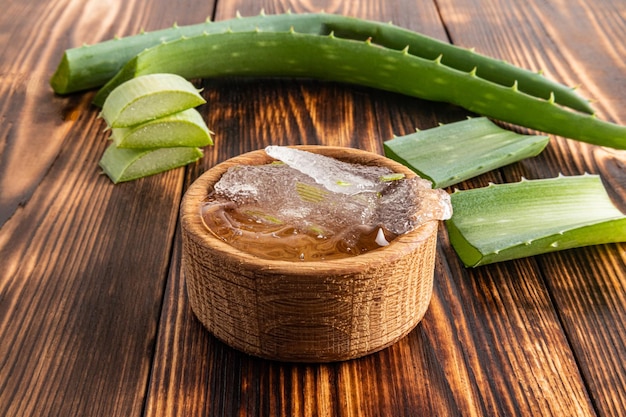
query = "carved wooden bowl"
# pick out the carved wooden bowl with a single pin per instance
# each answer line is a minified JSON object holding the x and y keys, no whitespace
{"x":314,"y":311}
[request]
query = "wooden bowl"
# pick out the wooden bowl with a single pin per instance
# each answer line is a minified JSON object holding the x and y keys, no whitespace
{"x":317,"y":311}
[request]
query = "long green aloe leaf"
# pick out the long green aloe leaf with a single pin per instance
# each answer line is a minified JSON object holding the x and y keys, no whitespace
{"x":128,"y":164}
{"x":93,"y":65}
{"x":531,"y":217}
{"x":264,"y":54}
{"x":451,"y":153}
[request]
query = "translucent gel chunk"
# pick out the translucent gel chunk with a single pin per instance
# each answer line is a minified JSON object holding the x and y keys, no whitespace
{"x":303,"y":203}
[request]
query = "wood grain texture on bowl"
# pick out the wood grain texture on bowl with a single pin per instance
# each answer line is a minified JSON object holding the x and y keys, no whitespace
{"x":314,"y":311}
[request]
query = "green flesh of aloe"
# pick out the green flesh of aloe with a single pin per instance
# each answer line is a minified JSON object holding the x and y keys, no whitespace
{"x":454,"y":152}
{"x":129,"y":164}
{"x":531,"y":217}
{"x":149,"y":97}
{"x":186,"y":128}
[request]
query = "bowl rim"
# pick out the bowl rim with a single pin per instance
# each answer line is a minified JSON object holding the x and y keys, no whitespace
{"x":192,"y":223}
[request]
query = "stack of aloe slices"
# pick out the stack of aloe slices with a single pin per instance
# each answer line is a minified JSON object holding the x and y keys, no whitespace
{"x":154,"y":127}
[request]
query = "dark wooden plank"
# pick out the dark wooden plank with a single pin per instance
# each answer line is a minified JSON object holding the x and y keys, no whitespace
{"x":81,"y":286}
{"x":25,"y":64}
{"x":491,"y":343}
{"x":589,"y":288}
{"x":83,"y":262}
{"x":510,"y":342}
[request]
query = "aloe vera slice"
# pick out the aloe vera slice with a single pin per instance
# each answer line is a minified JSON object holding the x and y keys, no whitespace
{"x":531,"y":217}
{"x":451,"y":153}
{"x":186,"y":128}
{"x":149,"y":97}
{"x":129,"y":164}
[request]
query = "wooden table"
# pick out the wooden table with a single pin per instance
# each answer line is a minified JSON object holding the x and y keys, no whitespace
{"x":94,"y":317}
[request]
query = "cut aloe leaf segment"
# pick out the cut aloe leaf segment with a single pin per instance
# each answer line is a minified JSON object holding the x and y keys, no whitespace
{"x":531,"y":217}
{"x":455,"y":152}
{"x":186,"y":128}
{"x":129,"y":164}
{"x":149,"y":97}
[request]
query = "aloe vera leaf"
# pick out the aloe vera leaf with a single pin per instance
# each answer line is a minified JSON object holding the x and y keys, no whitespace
{"x":149,"y":97}
{"x":92,"y":66}
{"x":487,"y":68}
{"x":451,"y":153}
{"x":186,"y":128}
{"x":330,"y":58}
{"x":129,"y":164}
{"x":532,"y":217}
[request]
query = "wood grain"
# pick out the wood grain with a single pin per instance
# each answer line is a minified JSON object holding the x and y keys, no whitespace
{"x":469,"y":344}
{"x":585,"y":285}
{"x":94,"y":316}
{"x":83,"y":263}
{"x":30,"y":54}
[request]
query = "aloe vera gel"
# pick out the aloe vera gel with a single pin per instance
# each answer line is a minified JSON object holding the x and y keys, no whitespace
{"x":310,"y":207}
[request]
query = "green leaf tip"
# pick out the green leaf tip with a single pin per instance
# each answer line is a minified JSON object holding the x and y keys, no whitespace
{"x":531,"y":217}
